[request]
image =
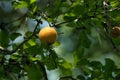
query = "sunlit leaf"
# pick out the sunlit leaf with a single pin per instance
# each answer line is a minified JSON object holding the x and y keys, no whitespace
{"x":31,"y":42}
{"x":56,"y":44}
{"x":32,"y":1}
{"x":65,"y":66}
{"x":19,"y":4}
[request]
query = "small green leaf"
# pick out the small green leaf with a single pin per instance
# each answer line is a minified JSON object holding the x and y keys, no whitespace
{"x":69,"y":18}
{"x":32,"y":1}
{"x":4,"y":39}
{"x":36,"y":49}
{"x":80,"y":77}
{"x":34,"y":58}
{"x":84,"y":40}
{"x":51,"y":61}
{"x":95,"y":65}
{"x":96,"y":74}
{"x":13,"y":36}
{"x":78,"y":54}
{"x":31,"y":42}
{"x":65,"y":67}
{"x":19,"y":4}
{"x":30,"y":15}
{"x":86,"y":71}
{"x":56,"y":44}
{"x":108,"y":68}
{"x":65,"y":64}
{"x":28,"y":33}
{"x":109,"y":64}
{"x":82,"y":62}
{"x":34,"y":71}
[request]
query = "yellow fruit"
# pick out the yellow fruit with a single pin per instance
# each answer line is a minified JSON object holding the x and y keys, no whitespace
{"x":115,"y":31}
{"x":47,"y":35}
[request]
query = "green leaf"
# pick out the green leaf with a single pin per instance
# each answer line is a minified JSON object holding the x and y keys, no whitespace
{"x":32,"y":1}
{"x":95,"y":65}
{"x":82,"y":62}
{"x":28,"y":33}
{"x":69,"y":17}
{"x":19,"y":4}
{"x":51,"y":61}
{"x":4,"y":39}
{"x":34,"y":58}
{"x":13,"y":36}
{"x":84,"y":40}
{"x":2,"y":74}
{"x":117,"y":71}
{"x":34,"y":50}
{"x":79,"y":10}
{"x":114,"y":3}
{"x":116,"y":41}
{"x":109,"y":64}
{"x":15,"y":57}
{"x":65,"y":67}
{"x":78,"y":54}
{"x":109,"y":67}
{"x":30,"y":43}
{"x":34,"y":71}
{"x":30,"y":15}
{"x":86,"y":71}
{"x":56,"y":44}
{"x":14,"y":67}
{"x":80,"y":77}
{"x":96,"y":74}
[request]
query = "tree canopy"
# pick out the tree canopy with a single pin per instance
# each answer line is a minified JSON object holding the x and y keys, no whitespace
{"x":87,"y":45}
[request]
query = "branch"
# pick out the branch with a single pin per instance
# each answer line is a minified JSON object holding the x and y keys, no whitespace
{"x":108,"y":25}
{"x":27,"y":39}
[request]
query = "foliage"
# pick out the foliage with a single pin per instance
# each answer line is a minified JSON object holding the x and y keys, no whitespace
{"x":91,"y":22}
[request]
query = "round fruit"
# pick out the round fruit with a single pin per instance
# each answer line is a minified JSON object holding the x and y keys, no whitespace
{"x":116,"y":31}
{"x":47,"y":35}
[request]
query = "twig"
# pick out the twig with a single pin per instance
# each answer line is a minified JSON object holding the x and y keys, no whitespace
{"x":27,"y":39}
{"x":57,"y":24}
{"x":108,"y":25}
